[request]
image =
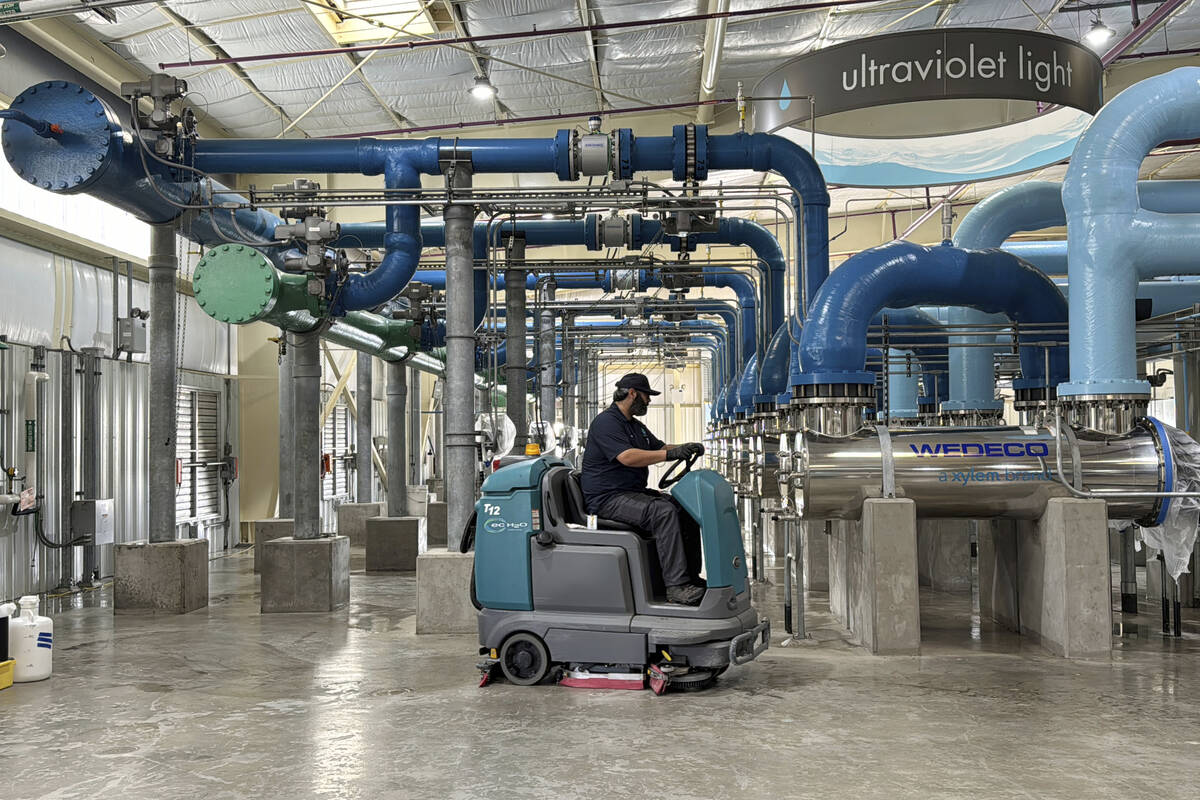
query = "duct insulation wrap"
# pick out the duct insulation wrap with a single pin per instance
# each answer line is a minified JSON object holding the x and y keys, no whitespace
{"x":1175,"y":535}
{"x":974,"y":473}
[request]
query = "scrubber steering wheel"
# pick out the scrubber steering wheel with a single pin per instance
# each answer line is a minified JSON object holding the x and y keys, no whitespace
{"x":669,"y":478}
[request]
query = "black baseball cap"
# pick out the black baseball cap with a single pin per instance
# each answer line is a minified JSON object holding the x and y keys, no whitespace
{"x":636,"y":380}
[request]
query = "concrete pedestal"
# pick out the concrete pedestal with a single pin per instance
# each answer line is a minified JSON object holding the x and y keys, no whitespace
{"x":1054,"y":573}
{"x":305,"y":574}
{"x":816,"y":555}
{"x":435,"y":487}
{"x":435,"y":515}
{"x":444,"y":592}
{"x":882,"y":585}
{"x":837,"y":566}
{"x":352,"y":520}
{"x":944,"y":554}
{"x":167,"y":577}
{"x":393,"y":543}
{"x":264,"y":531}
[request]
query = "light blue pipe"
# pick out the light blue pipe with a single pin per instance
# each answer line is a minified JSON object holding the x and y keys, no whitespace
{"x":901,"y":274}
{"x":930,"y":350}
{"x":747,"y":387}
{"x":1033,"y":206}
{"x":776,"y":366}
{"x":1112,"y":239}
{"x":903,"y":386}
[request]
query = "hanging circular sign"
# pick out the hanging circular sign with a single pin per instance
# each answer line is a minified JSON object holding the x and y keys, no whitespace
{"x":983,"y":65}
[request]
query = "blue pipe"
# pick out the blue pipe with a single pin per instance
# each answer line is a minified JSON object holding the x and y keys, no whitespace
{"x":902,"y":388}
{"x":900,"y":274}
{"x":1112,"y":238}
{"x":1032,"y":206}
{"x":930,"y":350}
{"x":93,"y":157}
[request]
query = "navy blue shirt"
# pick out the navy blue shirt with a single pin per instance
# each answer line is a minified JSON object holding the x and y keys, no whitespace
{"x":609,"y":435}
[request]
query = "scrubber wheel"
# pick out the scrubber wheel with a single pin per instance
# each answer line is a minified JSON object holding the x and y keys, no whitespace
{"x":524,"y":659}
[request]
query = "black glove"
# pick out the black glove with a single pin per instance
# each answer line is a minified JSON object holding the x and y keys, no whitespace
{"x":681,"y":451}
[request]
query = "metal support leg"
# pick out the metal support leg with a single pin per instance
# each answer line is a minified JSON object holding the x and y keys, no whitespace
{"x":306,"y":395}
{"x":788,"y":560}
{"x":416,"y":443}
{"x":1129,"y":602}
{"x":162,"y":267}
{"x":795,"y":536}
{"x":362,"y":429}
{"x":460,"y":467}
{"x":397,"y":452}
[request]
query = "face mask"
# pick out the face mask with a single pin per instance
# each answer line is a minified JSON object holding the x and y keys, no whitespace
{"x":639,"y":407}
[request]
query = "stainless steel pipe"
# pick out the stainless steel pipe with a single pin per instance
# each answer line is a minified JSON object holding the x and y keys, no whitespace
{"x":971,"y":473}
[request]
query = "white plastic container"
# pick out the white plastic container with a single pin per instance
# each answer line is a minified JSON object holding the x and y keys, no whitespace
{"x":30,"y":642}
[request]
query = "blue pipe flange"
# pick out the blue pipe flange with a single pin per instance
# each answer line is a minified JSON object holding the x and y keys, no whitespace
{"x":624,"y":160}
{"x":564,"y":156}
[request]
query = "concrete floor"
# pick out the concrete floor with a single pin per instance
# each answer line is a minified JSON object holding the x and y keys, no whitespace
{"x":225,"y":703}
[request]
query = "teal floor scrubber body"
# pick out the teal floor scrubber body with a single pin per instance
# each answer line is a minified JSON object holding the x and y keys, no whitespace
{"x":555,"y":592}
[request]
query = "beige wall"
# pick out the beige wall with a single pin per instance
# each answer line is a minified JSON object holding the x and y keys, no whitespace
{"x":258,"y":410}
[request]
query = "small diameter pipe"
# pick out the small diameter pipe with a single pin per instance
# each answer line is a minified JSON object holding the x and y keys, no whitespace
{"x":306,"y":393}
{"x":163,"y":383}
{"x":32,"y":379}
{"x":397,"y":452}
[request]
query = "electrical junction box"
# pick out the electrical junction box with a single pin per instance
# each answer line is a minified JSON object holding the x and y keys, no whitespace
{"x":131,"y":335}
{"x":93,"y":518}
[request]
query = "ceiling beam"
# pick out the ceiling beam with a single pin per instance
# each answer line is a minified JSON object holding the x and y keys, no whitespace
{"x":195,"y":34}
{"x":585,"y":17}
{"x":460,"y":30}
{"x":101,"y":64}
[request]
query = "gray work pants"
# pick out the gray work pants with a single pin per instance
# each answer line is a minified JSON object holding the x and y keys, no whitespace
{"x":676,"y":534}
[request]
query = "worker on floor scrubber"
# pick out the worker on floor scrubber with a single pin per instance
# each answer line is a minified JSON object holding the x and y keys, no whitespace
{"x":616,"y":461}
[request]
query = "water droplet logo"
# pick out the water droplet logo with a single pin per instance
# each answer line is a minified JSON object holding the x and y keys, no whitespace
{"x":785,"y":100}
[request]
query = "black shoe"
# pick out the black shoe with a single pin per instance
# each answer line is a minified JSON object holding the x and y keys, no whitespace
{"x":685,"y":594}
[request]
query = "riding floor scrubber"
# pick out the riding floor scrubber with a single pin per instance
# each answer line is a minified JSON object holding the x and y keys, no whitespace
{"x":559,"y":598}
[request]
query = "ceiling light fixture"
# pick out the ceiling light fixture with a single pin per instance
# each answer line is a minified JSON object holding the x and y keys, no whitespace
{"x":483,"y":89}
{"x":1099,"y":33}
{"x":548,"y":215}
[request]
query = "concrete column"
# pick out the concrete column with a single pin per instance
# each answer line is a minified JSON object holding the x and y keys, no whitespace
{"x":362,"y":429}
{"x":162,"y":574}
{"x":287,"y":459}
{"x":568,"y":375}
{"x":884,"y":590}
{"x":514,"y":342}
{"x":460,"y":453}
{"x":397,"y":452}
{"x":944,"y":554}
{"x":816,"y":554}
{"x":839,"y":541}
{"x":163,"y":383}
{"x":306,"y":397}
{"x":582,"y":359}
{"x":1051,"y":580}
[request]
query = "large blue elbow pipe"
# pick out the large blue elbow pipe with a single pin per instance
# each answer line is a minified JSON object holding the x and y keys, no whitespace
{"x":1033,"y":206}
{"x":902,"y":274}
{"x":1112,"y":238}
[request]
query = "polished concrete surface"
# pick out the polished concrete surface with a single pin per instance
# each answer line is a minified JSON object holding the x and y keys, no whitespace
{"x":228,"y":703}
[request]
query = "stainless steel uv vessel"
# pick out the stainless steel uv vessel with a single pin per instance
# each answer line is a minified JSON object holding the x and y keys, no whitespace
{"x":974,"y":473}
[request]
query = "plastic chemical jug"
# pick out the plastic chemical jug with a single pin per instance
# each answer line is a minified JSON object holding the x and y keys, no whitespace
{"x":30,"y":642}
